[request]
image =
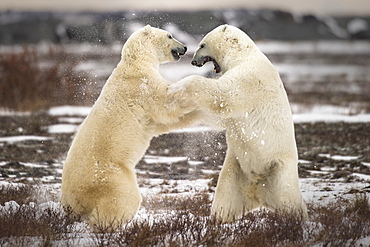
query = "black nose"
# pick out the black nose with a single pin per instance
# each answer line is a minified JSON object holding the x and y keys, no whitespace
{"x":194,"y":63}
{"x":182,"y":51}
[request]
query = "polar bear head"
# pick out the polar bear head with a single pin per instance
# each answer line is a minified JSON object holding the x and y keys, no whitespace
{"x":153,"y":45}
{"x":226,"y":46}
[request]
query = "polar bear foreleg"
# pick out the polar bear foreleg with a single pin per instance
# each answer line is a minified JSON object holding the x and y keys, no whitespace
{"x":282,"y":191}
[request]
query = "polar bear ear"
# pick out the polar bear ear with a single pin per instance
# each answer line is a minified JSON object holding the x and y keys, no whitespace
{"x":147,"y":29}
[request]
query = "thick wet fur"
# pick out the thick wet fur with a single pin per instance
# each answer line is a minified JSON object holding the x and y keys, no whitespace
{"x":99,"y":181}
{"x":250,"y":102}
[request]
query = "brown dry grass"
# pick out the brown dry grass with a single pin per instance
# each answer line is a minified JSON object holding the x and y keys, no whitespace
{"x":32,"y":80}
{"x":175,"y":220}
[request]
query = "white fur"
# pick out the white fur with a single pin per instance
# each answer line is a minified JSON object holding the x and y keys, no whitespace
{"x":98,"y":179}
{"x":250,"y":101}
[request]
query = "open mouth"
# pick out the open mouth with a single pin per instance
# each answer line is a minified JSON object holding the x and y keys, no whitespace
{"x":206,"y":59}
{"x":177,"y":53}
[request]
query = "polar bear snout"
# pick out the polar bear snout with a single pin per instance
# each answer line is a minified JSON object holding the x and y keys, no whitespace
{"x":195,"y":63}
{"x":200,"y":61}
{"x":178,"y":51}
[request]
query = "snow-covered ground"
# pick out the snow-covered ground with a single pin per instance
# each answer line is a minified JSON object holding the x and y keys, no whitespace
{"x":312,"y":188}
{"x":298,"y":75}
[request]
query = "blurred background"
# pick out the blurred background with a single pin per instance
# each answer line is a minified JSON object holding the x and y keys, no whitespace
{"x":68,"y":48}
{"x":25,"y":21}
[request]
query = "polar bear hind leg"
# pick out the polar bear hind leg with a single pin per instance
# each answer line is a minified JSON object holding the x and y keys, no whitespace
{"x":116,"y":208}
{"x":281,"y":190}
{"x":235,"y":194}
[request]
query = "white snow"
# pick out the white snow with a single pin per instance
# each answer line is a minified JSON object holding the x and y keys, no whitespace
{"x":150,"y":159}
{"x":62,"y":128}
{"x":304,"y":161}
{"x":32,"y":165}
{"x":362,"y":176}
{"x":328,"y":169}
{"x":194,"y":162}
{"x":304,"y":118}
{"x":14,"y":139}
{"x":71,"y":120}
{"x":366,"y":164}
{"x":339,"y":157}
{"x":69,"y":110}
{"x":325,"y":109}
{"x":345,"y":158}
{"x":7,"y":112}
{"x":309,"y":47}
{"x":321,"y":190}
{"x":155,"y":185}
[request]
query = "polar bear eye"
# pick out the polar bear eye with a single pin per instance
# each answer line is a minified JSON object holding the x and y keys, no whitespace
{"x":169,"y":36}
{"x":202,"y":46}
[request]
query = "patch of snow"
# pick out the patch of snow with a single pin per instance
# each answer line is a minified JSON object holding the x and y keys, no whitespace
{"x":47,"y":179}
{"x":206,"y":171}
{"x":150,"y":159}
{"x":69,"y":110}
{"x":7,"y":112}
{"x":304,"y":161}
{"x":62,"y":128}
{"x":313,"y":189}
{"x":309,"y":47}
{"x":71,"y":120}
{"x":9,"y":205}
{"x":306,"y":118}
{"x":339,"y":157}
{"x":362,"y":176}
{"x":14,"y":139}
{"x":324,"y":109}
{"x":366,"y":164}
{"x":345,"y":158}
{"x":60,"y":171}
{"x":194,"y":162}
{"x":317,"y":172}
{"x":363,"y":242}
{"x":191,"y":185}
{"x":156,"y":185}
{"x":328,"y":169}
{"x":32,"y":165}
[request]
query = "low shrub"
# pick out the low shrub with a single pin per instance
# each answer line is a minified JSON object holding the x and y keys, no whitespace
{"x":32,"y":80}
{"x":179,"y":220}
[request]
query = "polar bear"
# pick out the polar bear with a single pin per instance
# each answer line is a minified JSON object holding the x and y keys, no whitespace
{"x":250,"y":102}
{"x":98,"y":180}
